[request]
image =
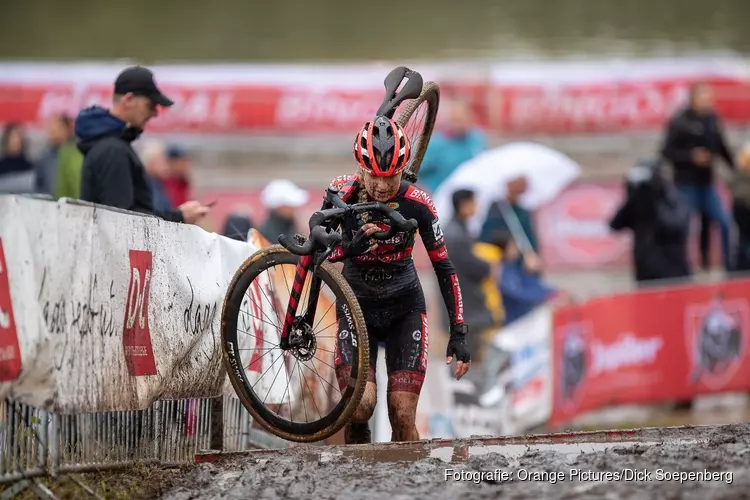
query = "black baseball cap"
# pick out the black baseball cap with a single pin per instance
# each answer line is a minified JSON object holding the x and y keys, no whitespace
{"x":140,"y":81}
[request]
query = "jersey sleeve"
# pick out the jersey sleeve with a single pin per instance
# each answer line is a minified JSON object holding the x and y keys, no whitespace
{"x":434,"y":242}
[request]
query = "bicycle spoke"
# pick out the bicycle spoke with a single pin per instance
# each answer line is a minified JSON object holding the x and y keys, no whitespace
{"x":304,"y":406}
{"x":324,"y":315}
{"x":321,"y":378}
{"x":271,"y":366}
{"x":276,"y":295}
{"x":273,"y":381}
{"x":334,"y":369}
{"x":262,"y":339}
{"x":270,"y":321}
{"x":291,"y":415}
{"x":335,"y":323}
{"x":261,"y":356}
{"x":313,"y":399}
{"x":260,"y":319}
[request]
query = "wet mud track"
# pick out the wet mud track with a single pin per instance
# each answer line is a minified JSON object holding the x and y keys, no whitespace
{"x":540,"y":467}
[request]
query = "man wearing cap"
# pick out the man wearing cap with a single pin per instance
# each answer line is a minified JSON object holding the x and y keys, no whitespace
{"x":112,"y":173}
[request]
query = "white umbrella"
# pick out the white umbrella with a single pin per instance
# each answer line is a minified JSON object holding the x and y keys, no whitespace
{"x":546,"y":170}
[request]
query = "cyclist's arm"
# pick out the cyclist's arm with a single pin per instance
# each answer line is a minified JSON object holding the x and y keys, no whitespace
{"x":434,"y":242}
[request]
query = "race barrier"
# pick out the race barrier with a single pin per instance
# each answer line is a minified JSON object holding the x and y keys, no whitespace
{"x":105,"y":311}
{"x":510,"y":98}
{"x":654,"y":345}
{"x":109,"y":339}
{"x":510,"y":394}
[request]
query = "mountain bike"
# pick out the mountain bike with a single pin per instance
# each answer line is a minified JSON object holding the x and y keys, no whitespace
{"x":273,"y":321}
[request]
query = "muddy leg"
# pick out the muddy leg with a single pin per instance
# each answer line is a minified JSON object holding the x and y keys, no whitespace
{"x":402,"y":413}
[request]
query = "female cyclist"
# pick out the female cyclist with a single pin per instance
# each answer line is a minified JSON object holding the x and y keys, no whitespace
{"x":385,"y":281}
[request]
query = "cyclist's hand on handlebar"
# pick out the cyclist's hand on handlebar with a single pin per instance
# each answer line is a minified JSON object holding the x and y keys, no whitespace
{"x":360,"y":244}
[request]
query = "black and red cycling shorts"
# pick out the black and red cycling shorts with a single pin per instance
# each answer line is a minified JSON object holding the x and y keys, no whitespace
{"x":401,"y":324}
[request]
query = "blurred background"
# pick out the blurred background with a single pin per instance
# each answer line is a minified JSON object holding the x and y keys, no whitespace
{"x":279,"y":90}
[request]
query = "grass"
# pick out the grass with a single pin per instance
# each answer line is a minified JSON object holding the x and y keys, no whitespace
{"x":136,"y":482}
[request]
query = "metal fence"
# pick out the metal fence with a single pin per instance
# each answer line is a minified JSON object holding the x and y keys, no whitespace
{"x":36,"y":443}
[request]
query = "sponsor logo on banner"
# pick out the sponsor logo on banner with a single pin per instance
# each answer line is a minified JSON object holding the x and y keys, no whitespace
{"x":575,"y":227}
{"x":588,"y":106}
{"x":136,"y":336}
{"x":529,"y":365}
{"x":716,"y":338}
{"x":574,"y":362}
{"x":628,"y":351}
{"x":10,"y":353}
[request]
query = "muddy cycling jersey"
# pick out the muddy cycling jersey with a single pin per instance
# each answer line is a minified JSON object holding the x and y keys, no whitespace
{"x":389,"y":270}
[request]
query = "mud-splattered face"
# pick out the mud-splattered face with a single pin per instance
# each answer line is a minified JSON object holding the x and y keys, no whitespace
{"x":381,"y":188}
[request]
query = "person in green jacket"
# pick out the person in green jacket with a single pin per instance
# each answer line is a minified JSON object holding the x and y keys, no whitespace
{"x":68,"y":178}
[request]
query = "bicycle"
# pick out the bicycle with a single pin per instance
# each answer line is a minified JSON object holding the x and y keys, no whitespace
{"x":296,"y":333}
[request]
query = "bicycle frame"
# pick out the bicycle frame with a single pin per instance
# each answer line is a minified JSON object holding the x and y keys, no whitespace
{"x":320,"y":245}
{"x":306,"y":263}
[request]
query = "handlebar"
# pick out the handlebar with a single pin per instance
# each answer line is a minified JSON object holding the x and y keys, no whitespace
{"x":321,"y":237}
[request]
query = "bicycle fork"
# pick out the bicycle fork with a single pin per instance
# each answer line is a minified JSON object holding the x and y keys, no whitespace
{"x":300,"y":274}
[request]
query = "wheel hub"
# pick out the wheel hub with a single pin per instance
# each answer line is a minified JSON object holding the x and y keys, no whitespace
{"x":302,"y":342}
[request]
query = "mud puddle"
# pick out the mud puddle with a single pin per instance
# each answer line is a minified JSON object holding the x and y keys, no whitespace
{"x":653,"y":463}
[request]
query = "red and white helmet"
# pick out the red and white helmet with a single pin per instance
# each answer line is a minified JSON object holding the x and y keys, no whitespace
{"x":382,"y":147}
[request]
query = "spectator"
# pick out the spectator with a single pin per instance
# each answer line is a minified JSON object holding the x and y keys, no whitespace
{"x":660,"y":221}
{"x":694,"y":138}
{"x":16,"y":171}
{"x":740,"y":188}
{"x":177,"y":184}
{"x":496,"y":216}
{"x":59,"y":132}
{"x":237,"y":225}
{"x":281,"y":198}
{"x":446,"y":151}
{"x":472,"y":273}
{"x":153,"y":155}
{"x":113,"y":174}
{"x":521,"y":286}
{"x":68,"y":177}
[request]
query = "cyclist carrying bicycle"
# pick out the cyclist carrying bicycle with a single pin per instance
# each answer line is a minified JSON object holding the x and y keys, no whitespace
{"x":383,"y":277}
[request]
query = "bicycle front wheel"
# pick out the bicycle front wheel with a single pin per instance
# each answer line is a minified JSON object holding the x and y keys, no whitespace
{"x":308,"y":392}
{"x":418,"y":119}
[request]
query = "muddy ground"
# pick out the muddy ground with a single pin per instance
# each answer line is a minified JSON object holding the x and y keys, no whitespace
{"x":534,"y":467}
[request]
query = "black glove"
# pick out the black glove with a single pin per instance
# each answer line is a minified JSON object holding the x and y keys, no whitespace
{"x":457,"y":343}
{"x":358,"y":245}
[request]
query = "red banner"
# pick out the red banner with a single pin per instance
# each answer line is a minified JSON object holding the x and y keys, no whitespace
{"x":321,"y":104}
{"x":651,"y":345}
{"x":10,"y":353}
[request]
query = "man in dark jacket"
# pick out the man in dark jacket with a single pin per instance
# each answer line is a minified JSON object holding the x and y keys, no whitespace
{"x":660,"y":220}
{"x":694,"y":139}
{"x":112,"y":173}
{"x":471,"y":272}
